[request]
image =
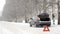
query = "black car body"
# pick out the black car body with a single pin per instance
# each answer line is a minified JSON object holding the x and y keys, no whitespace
{"x":44,"y":20}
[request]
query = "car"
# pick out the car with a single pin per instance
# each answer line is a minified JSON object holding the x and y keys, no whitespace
{"x":40,"y":20}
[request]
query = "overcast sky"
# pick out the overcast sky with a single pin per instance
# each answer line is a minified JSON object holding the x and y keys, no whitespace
{"x":2,"y":3}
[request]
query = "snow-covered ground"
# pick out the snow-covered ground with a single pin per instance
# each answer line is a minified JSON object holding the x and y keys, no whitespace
{"x":24,"y":28}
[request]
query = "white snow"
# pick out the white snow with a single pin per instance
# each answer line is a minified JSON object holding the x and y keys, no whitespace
{"x":5,"y":31}
{"x":24,"y":28}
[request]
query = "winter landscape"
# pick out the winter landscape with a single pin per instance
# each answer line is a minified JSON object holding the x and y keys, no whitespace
{"x":15,"y":16}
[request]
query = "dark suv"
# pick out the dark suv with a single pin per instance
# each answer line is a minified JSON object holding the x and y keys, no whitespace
{"x":44,"y":20}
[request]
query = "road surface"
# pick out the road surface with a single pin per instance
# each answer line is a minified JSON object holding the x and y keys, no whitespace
{"x":24,"y":28}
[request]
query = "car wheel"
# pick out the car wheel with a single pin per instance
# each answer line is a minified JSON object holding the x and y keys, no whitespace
{"x":37,"y":25}
{"x":30,"y":25}
{"x":41,"y":25}
{"x":48,"y":24}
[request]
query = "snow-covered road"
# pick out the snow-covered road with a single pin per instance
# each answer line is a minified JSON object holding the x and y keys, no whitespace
{"x":24,"y":28}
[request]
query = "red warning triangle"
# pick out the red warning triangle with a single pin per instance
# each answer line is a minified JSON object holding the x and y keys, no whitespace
{"x":46,"y":29}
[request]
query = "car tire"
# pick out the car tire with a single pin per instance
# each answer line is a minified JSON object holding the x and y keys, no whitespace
{"x":30,"y":25}
{"x":49,"y":25}
{"x":41,"y":25}
{"x":37,"y":25}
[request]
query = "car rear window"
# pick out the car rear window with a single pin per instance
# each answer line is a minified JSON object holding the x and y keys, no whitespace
{"x":44,"y":19}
